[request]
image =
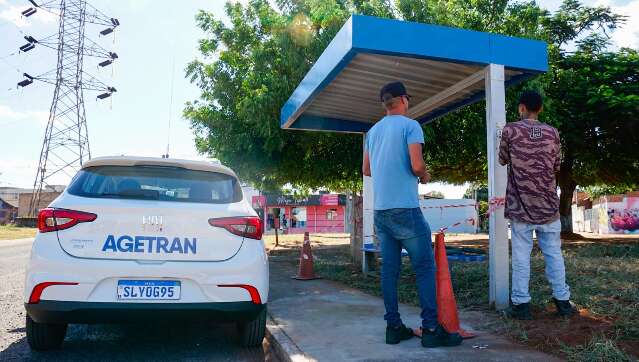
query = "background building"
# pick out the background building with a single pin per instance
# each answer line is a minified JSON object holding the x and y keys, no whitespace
{"x":8,"y":211}
{"x":610,"y":214}
{"x":12,"y":194}
{"x":323,"y":213}
{"x":46,"y":197}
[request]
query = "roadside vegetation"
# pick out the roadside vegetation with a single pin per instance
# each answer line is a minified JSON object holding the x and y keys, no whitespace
{"x":604,"y":281}
{"x":250,"y":65}
{"x":8,"y":232}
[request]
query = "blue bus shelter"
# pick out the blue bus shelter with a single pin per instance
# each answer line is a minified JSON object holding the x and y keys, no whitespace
{"x":443,"y":69}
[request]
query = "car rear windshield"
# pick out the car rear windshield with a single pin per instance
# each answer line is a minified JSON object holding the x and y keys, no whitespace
{"x":156,"y":183}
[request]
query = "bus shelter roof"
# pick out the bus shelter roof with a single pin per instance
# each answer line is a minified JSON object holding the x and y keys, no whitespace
{"x":443,"y":69}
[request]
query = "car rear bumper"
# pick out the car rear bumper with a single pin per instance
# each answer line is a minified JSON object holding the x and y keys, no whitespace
{"x":50,"y":311}
{"x":96,"y":280}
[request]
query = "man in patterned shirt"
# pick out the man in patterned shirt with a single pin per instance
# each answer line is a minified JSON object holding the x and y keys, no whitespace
{"x":532,"y":151}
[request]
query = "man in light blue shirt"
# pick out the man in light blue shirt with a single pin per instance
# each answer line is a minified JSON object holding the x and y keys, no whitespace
{"x":394,"y":159}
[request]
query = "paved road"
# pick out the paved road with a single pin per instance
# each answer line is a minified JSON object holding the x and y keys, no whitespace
{"x":157,"y":342}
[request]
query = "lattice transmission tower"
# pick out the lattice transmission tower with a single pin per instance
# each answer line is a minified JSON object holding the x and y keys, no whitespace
{"x":66,"y":140}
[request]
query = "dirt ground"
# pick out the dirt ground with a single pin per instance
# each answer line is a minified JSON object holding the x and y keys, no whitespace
{"x":324,"y":240}
{"x":8,"y":232}
{"x":461,"y":240}
{"x":546,"y":332}
{"x":296,"y":240}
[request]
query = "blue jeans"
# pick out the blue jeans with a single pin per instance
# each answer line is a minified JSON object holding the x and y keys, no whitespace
{"x":407,"y":228}
{"x":548,"y":236}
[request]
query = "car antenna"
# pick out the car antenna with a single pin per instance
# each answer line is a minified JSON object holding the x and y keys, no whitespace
{"x":168,"y":136}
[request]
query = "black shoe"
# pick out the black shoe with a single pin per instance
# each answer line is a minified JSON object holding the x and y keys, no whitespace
{"x":519,"y":311}
{"x":440,"y":338}
{"x":565,"y":308}
{"x":398,"y":334}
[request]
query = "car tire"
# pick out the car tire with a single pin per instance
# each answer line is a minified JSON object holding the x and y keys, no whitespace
{"x":45,"y":336}
{"x":252,"y":333}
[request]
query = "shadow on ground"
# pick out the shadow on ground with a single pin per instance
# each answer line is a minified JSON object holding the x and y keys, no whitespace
{"x":151,"y":341}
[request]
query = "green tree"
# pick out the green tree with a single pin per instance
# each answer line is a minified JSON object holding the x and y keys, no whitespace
{"x":456,"y":144}
{"x":477,"y":191}
{"x":253,"y":63}
{"x":603,"y":190}
{"x":595,"y":103}
{"x":251,"y":67}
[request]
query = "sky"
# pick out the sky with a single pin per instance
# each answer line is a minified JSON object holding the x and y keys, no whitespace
{"x":155,"y":42}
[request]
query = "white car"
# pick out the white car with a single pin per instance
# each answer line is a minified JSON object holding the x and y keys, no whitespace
{"x":135,"y":239}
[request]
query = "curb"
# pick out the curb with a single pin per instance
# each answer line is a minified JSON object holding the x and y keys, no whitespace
{"x":282,"y":345}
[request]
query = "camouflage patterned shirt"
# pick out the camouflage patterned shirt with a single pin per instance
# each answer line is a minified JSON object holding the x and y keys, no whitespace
{"x":532,"y":151}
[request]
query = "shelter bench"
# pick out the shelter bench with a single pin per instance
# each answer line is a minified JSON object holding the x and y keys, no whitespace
{"x":453,"y":253}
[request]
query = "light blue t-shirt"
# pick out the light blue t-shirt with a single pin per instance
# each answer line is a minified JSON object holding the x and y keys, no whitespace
{"x":394,"y":184}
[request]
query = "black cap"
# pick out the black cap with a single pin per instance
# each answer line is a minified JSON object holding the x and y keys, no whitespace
{"x":392,"y":90}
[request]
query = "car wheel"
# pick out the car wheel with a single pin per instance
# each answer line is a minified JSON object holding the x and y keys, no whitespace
{"x":45,"y":336}
{"x":252,"y":333}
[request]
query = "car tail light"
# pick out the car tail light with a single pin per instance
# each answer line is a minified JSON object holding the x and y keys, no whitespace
{"x":248,"y":227}
{"x":39,"y":288}
{"x":51,"y":219}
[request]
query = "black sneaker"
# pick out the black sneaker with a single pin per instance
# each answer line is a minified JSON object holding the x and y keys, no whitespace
{"x":519,"y":311}
{"x":565,"y":308}
{"x":398,"y":334}
{"x":440,"y":338}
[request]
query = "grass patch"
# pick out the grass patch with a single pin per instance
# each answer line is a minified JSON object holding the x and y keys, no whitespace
{"x":604,"y":282}
{"x":8,"y":232}
{"x":598,"y":349}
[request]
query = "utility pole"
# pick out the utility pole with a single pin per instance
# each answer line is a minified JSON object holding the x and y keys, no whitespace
{"x":66,"y":139}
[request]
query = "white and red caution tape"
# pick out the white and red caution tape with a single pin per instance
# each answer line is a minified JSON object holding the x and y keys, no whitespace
{"x":440,"y":206}
{"x":494,"y":204}
{"x":471,"y":221}
{"x":447,"y":206}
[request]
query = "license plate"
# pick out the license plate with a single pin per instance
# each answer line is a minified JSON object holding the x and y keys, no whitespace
{"x":149,"y":289}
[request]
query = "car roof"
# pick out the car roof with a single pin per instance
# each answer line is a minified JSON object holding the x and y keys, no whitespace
{"x":156,"y":161}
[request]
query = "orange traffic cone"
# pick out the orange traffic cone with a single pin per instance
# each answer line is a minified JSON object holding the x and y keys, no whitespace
{"x":446,"y":305}
{"x":306,"y":262}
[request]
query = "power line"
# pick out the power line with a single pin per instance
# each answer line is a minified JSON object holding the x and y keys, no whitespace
{"x":4,"y":59}
{"x":21,"y":32}
{"x":9,"y":55}
{"x":66,"y":141}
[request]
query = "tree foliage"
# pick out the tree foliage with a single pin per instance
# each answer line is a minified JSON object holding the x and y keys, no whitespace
{"x":603,"y":190}
{"x":595,"y":105}
{"x":251,"y":66}
{"x":253,"y":62}
{"x":477,"y":191}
